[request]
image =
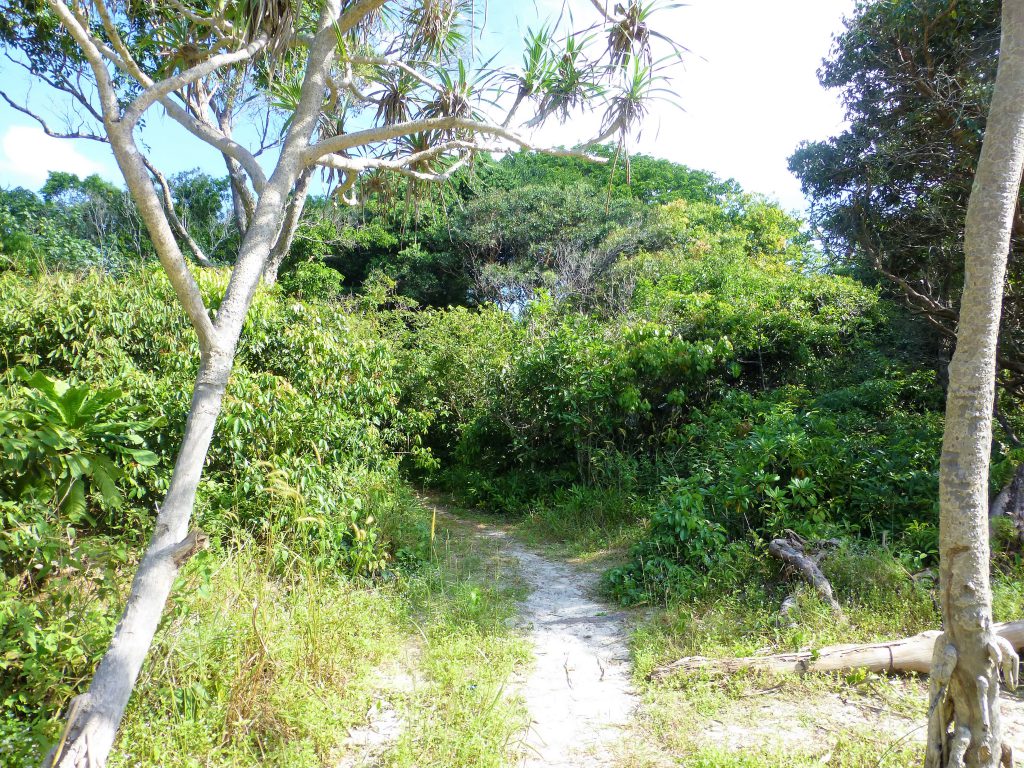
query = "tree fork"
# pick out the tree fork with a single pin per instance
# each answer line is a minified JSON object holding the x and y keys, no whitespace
{"x":93,"y":721}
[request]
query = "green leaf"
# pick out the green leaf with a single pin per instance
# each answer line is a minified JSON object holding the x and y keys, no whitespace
{"x":143,"y":457}
{"x":74,"y":503}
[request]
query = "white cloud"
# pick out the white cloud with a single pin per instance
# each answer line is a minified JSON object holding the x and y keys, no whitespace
{"x":27,"y":155}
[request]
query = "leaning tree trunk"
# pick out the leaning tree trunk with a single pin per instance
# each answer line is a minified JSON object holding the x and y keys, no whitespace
{"x":95,"y":716}
{"x":964,"y":725}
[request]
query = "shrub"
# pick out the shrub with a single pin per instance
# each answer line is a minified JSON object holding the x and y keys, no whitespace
{"x":313,"y":281}
{"x":303,"y":463}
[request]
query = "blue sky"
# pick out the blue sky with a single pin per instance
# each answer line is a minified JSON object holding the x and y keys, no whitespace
{"x":748,"y":88}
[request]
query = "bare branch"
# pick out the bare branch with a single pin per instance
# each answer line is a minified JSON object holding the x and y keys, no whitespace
{"x":387,"y":61}
{"x":265,"y":224}
{"x":77,"y":94}
{"x":91,"y":50}
{"x":215,"y":138}
{"x":172,"y":215}
{"x":217,"y":22}
{"x":285,"y":238}
{"x":79,"y":134}
{"x":356,"y":13}
{"x":357,"y":165}
{"x":346,"y":186}
{"x":200,"y":129}
{"x":602,"y":10}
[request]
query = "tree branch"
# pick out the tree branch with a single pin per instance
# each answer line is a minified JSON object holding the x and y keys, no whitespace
{"x":158,"y":91}
{"x":46,"y":128}
{"x":176,"y":224}
{"x":91,"y":50}
{"x":356,"y":13}
{"x":76,"y":93}
{"x":136,"y":177}
{"x":357,"y":165}
{"x":387,"y":61}
{"x":200,"y":129}
{"x":336,"y":144}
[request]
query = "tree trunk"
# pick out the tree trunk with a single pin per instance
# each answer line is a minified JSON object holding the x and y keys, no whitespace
{"x":93,"y":720}
{"x":94,"y":716}
{"x":964,"y":724}
{"x":1010,"y":502}
{"x":286,"y":236}
{"x":910,"y":654}
{"x":242,"y":204}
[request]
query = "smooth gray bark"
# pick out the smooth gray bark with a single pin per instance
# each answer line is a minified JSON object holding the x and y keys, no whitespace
{"x":964,"y":723}
{"x":288,"y":228}
{"x":95,"y":716}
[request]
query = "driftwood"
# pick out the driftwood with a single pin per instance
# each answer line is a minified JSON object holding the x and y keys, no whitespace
{"x":792,"y":551}
{"x":910,"y":654}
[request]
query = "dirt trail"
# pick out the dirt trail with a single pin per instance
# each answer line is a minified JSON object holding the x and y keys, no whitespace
{"x":578,"y":693}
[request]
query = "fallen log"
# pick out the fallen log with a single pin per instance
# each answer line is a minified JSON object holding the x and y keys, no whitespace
{"x":790,"y":550}
{"x":910,"y":654}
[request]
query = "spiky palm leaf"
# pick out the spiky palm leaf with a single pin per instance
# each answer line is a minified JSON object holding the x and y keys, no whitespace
{"x":630,"y":33}
{"x":395,"y":98}
{"x":538,"y":69}
{"x":630,"y":104}
{"x":570,"y":85}
{"x":275,"y":18}
{"x":436,"y":31}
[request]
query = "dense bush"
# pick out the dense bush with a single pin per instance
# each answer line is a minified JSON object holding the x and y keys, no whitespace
{"x":685,"y":372}
{"x":303,"y":461}
{"x":733,"y":392}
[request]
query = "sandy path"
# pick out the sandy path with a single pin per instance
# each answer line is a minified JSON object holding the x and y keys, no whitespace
{"x":578,"y":693}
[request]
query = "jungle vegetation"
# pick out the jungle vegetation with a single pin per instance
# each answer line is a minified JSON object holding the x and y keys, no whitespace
{"x":619,"y":353}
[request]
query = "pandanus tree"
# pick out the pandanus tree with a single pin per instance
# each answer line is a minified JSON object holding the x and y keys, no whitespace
{"x":284,"y":89}
{"x":964,"y":724}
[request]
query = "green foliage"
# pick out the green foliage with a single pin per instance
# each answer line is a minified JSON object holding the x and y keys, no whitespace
{"x":502,"y":229}
{"x":760,"y":466}
{"x":71,"y":455}
{"x":646,"y":179}
{"x":313,"y":281}
{"x":89,"y":223}
{"x":31,"y":238}
{"x":67,"y":443}
{"x":889,"y":194}
{"x":303,"y":461}
{"x":682,"y":380}
{"x":729,"y":389}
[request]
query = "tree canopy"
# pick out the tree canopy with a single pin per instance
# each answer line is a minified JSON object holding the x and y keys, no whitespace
{"x":889,"y":195}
